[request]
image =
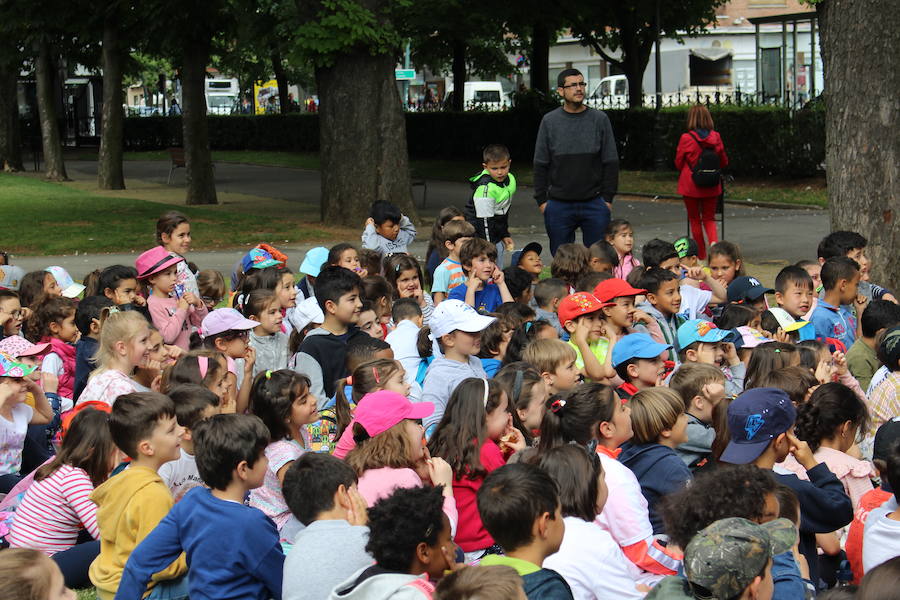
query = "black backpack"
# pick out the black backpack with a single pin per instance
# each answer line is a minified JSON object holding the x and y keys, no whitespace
{"x":708,"y":170}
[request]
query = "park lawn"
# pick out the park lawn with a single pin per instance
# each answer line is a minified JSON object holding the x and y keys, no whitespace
{"x":52,"y":218}
{"x":807,"y":191}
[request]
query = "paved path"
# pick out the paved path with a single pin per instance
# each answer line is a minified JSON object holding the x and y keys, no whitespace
{"x":765,"y":234}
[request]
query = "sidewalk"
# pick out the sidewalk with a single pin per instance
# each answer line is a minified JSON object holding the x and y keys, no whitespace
{"x":766,"y":235}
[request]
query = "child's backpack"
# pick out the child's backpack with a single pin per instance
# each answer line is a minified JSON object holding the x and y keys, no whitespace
{"x":708,"y":170}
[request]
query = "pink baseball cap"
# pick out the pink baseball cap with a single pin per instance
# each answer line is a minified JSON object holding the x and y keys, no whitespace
{"x":154,"y":261}
{"x":379,"y":411}
{"x":222,"y":320}
{"x":17,"y":347}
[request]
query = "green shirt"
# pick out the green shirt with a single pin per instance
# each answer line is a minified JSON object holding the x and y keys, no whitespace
{"x":599,"y":348}
{"x":862,"y":362}
{"x":522,"y":567}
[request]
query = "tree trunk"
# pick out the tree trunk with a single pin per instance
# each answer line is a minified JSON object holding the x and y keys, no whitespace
{"x":201,"y":184}
{"x":862,"y":152}
{"x":10,"y":133}
{"x":362,"y":142}
{"x":459,"y":75}
{"x":110,"y":174}
{"x":281,"y":79}
{"x":54,"y":167}
{"x":540,"y":57}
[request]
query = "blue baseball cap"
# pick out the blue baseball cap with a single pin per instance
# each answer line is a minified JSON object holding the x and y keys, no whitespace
{"x":258,"y":258}
{"x":636,"y":345}
{"x":755,"y":418}
{"x":700,"y":330}
{"x":313,"y":261}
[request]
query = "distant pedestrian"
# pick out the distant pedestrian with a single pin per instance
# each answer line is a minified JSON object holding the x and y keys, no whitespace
{"x":699,"y":158}
{"x":576,"y":166}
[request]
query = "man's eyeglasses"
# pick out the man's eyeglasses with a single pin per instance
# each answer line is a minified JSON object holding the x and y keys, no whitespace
{"x":580,"y":84}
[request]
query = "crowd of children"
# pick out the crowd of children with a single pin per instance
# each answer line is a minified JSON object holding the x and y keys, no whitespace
{"x":637,"y":424}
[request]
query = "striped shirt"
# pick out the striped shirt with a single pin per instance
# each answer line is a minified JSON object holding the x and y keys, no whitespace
{"x":54,"y":511}
{"x":447,"y":276}
{"x":884,"y":402}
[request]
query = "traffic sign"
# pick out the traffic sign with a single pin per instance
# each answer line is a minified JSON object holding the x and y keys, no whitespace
{"x":404,"y":74}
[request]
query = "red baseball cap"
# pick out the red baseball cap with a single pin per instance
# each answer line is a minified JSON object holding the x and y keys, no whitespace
{"x":575,"y":305}
{"x":608,"y":290}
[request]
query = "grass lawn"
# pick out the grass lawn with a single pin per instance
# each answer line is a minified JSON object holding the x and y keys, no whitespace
{"x":810,"y":191}
{"x":86,"y":594}
{"x":82,"y":221}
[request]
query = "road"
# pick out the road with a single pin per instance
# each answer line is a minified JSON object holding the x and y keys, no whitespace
{"x":766,"y":235}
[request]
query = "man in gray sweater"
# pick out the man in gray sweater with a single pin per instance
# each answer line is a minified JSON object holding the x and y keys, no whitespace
{"x":576,"y":166}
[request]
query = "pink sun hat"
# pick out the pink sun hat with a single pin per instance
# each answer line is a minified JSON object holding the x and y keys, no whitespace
{"x":153,"y":261}
{"x":17,"y":347}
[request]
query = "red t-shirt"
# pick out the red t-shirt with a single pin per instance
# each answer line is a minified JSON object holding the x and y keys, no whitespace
{"x":470,"y":533}
{"x":854,"y":546}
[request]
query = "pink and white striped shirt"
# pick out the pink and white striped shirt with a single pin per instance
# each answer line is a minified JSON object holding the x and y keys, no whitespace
{"x":54,"y":511}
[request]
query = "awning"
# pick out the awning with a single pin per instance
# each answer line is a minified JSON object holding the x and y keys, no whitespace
{"x":712,"y":54}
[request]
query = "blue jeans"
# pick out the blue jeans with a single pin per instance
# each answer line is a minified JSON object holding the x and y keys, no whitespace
{"x":563,"y":218}
{"x":171,"y":589}
{"x":75,"y":561}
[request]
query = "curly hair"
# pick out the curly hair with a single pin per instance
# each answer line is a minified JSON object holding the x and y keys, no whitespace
{"x":829,"y":407}
{"x":271,"y":397}
{"x":402,"y":521}
{"x":48,"y":310}
{"x":463,"y":428}
{"x":729,"y":491}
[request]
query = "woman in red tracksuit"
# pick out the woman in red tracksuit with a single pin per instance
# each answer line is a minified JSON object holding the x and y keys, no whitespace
{"x":700,"y":202}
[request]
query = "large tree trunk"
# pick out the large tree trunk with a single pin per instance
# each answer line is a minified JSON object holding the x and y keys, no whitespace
{"x":540,"y":57}
{"x":54,"y":167}
{"x":459,"y":75}
{"x":362,"y":143}
{"x":10,"y":133}
{"x":281,"y":79}
{"x":862,"y":117}
{"x":110,"y":174}
{"x":201,"y":184}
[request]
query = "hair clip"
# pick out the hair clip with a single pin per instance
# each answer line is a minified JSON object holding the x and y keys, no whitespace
{"x":487,"y":388}
{"x":376,"y":375}
{"x":517,"y":384}
{"x":557,"y":405}
{"x":528,"y":326}
{"x":349,"y":380}
{"x":268,"y":374}
{"x":203,"y":364}
{"x":777,"y":350}
{"x":113,"y":310}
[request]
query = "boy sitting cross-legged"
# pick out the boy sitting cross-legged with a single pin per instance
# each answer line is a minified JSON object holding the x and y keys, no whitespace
{"x":232,"y":550}
{"x":132,"y":503}
{"x":485,"y":288}
{"x":321,"y":491}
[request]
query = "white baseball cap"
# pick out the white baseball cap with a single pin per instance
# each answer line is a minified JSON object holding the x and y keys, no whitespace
{"x":451,"y":315}
{"x":306,"y":312}
{"x":69,"y":288}
{"x":11,"y":277}
{"x":786,"y":321}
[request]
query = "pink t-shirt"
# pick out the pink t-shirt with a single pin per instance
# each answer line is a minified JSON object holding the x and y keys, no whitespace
{"x":54,"y":511}
{"x":269,"y":498}
{"x":853,"y":473}
{"x":376,"y":484}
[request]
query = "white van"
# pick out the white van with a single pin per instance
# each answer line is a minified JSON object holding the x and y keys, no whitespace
{"x":480,"y":95}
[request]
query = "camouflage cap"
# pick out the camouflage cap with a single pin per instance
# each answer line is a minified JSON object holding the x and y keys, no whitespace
{"x":724,"y":558}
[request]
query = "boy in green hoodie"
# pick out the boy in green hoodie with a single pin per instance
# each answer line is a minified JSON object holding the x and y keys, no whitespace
{"x":131,"y":504}
{"x":488,"y":208}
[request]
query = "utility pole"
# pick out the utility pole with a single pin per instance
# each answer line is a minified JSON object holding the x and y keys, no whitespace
{"x":659,"y":161}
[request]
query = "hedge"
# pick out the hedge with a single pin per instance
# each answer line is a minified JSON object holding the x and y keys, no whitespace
{"x":763,"y":140}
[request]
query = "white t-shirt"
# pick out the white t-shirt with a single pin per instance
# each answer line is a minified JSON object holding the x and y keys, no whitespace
{"x":53,"y":364}
{"x":12,"y":438}
{"x":881,"y":539}
{"x":181,"y":475}
{"x":403,"y":342}
{"x":693,"y":301}
{"x":592,"y":563}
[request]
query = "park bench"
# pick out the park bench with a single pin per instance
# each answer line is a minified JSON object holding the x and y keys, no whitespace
{"x":176,"y":155}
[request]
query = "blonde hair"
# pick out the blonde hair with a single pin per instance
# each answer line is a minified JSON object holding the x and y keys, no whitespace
{"x":498,"y":582}
{"x":391,"y":448}
{"x":25,"y":574}
{"x":653,"y":411}
{"x":547,"y":355}
{"x":690,"y":378}
{"x":120,"y":326}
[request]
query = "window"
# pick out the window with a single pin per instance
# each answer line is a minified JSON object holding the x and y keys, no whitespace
{"x":486,"y":96}
{"x":765,"y":3}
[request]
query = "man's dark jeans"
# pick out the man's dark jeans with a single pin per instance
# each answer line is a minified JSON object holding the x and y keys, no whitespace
{"x":563,"y":218}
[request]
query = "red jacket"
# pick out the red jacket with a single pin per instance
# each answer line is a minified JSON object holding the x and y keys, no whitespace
{"x":686,"y":157}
